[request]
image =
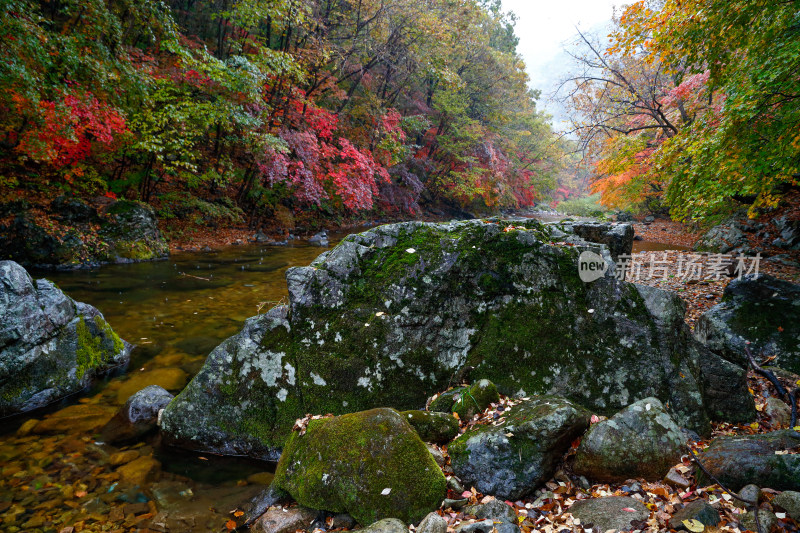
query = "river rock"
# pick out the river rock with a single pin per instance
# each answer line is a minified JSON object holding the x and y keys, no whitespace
{"x":173,"y":379}
{"x":511,"y":459}
{"x":766,"y":518}
{"x":613,"y":512}
{"x":371,"y":465}
{"x":79,"y":418}
{"x":723,"y":238}
{"x":473,"y":400}
{"x":433,"y":523}
{"x":284,"y":520}
{"x":439,"y":428}
{"x":760,"y":459}
{"x":641,"y":441}
{"x":391,"y":315}
{"x":50,"y":345}
{"x":387,"y":525}
{"x":493,"y":509}
{"x":778,"y":413}
{"x":763,"y":310}
{"x":128,"y":232}
{"x":790,"y":501}
{"x":699,"y":510}
{"x":618,"y":237}
{"x":138,"y":416}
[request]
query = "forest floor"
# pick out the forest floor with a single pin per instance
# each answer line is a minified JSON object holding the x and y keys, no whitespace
{"x":661,"y":269}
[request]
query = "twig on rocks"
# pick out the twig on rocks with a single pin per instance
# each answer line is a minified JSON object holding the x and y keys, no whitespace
{"x":751,"y":505}
{"x":790,"y":395}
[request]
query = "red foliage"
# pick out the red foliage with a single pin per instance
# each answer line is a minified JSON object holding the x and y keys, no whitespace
{"x":68,"y":128}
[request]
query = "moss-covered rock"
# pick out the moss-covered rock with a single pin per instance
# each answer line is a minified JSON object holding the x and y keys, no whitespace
{"x":762,"y":310}
{"x":371,"y":465}
{"x":85,"y":234}
{"x":762,"y":459}
{"x":641,"y":441}
{"x":50,"y":345}
{"x":475,"y":399}
{"x":431,"y":426}
{"x":509,"y":460}
{"x":393,"y":314}
{"x":443,"y":403}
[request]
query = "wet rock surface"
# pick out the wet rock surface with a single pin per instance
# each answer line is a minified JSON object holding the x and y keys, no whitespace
{"x":392,"y":315}
{"x":138,"y":417}
{"x":50,"y":345}
{"x":511,"y":459}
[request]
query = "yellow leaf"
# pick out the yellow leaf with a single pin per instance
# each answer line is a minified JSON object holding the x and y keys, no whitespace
{"x":694,"y":525}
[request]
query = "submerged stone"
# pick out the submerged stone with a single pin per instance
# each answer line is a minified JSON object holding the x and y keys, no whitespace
{"x":371,"y":465}
{"x":50,"y":345}
{"x":391,"y":315}
{"x":138,"y":416}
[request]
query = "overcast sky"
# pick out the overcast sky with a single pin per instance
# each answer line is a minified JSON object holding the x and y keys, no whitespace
{"x":543,"y":28}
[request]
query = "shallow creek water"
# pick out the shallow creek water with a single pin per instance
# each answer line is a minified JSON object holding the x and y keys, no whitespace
{"x":175,"y":312}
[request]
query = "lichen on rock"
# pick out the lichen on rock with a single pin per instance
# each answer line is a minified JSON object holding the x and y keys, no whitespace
{"x":391,"y":315}
{"x":50,"y":345}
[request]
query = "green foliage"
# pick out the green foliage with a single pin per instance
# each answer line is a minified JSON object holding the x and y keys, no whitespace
{"x":586,"y":206}
{"x":183,"y":204}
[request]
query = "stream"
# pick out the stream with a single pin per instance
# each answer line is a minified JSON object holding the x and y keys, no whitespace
{"x":175,"y":312}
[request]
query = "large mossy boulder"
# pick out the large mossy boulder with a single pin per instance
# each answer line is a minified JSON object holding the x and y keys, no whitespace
{"x":85,"y":234}
{"x":50,"y":345}
{"x":766,"y":460}
{"x":762,"y":310}
{"x":511,"y":459}
{"x":641,"y":441}
{"x":391,"y":315}
{"x":371,"y":465}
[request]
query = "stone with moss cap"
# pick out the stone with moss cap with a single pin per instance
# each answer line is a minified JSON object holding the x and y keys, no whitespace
{"x":50,"y":345}
{"x":439,"y":428}
{"x":395,"y":313}
{"x":509,"y":460}
{"x":371,"y":465}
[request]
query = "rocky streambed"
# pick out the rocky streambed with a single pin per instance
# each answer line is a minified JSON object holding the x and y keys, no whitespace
{"x":494,"y":320}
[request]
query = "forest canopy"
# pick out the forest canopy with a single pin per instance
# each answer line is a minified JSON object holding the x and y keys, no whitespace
{"x":336,"y":106}
{"x":692,"y":105}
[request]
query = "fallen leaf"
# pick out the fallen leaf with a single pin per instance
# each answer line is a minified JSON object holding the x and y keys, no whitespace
{"x":386,"y":491}
{"x":694,"y":525}
{"x":628,"y":510}
{"x":230,"y":525}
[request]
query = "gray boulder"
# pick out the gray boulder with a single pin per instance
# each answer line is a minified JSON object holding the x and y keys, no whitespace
{"x":511,"y":459}
{"x":760,"y":459}
{"x":138,"y":416}
{"x":387,"y":525}
{"x":50,"y":345}
{"x":613,"y":512}
{"x":641,"y":441}
{"x":433,"y":523}
{"x":371,"y":465}
{"x":394,"y":314}
{"x":727,"y":237}
{"x":618,"y":237}
{"x":699,"y":510}
{"x":763,"y":310}
{"x":790,"y":501}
